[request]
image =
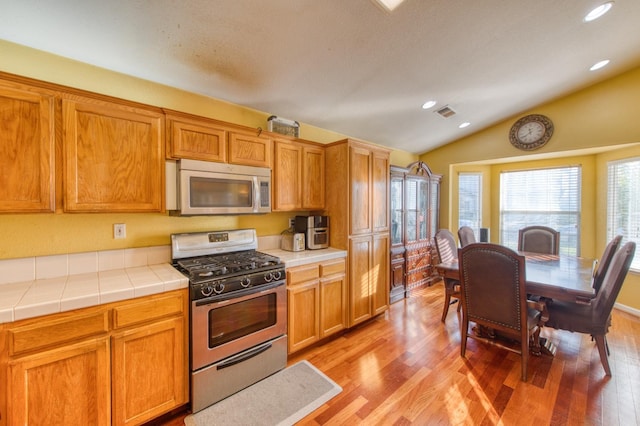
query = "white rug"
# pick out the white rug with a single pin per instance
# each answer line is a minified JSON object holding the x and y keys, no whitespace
{"x":280,"y":399}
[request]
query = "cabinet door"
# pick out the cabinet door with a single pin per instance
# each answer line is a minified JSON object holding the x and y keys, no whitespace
{"x":149,"y":371}
{"x":379,"y":274}
{"x":114,"y":157}
{"x":249,"y":150}
{"x":313,"y":178}
{"x":359,"y":279}
{"x":333,"y":305}
{"x":360,"y":172}
{"x":26,"y":149}
{"x":304,"y":304}
{"x":64,"y":386}
{"x":287,"y":176}
{"x":380,"y":191}
{"x":397,"y":209}
{"x":195,"y":139}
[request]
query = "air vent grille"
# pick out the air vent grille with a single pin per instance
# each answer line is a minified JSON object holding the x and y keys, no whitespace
{"x":446,"y":111}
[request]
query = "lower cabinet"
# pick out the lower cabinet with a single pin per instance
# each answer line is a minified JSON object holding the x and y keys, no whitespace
{"x":121,"y":363}
{"x":317,"y":306}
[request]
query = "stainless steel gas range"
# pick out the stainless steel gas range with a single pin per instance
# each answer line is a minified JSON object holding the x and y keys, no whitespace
{"x":238,"y":311}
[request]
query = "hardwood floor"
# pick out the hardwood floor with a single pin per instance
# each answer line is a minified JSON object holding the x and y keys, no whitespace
{"x":404,"y":368}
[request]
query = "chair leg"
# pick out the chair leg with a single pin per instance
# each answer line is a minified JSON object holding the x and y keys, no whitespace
{"x":447,"y":300}
{"x":601,"y":342}
{"x":524,"y":359}
{"x":464,"y":330}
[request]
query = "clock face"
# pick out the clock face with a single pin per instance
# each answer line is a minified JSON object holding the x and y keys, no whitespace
{"x":531,"y":132}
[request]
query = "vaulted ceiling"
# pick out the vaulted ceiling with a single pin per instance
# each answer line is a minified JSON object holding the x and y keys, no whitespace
{"x":346,"y":65}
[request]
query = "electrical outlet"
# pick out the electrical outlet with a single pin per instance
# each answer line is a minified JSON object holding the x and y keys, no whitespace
{"x":292,"y":222}
{"x":119,"y":231}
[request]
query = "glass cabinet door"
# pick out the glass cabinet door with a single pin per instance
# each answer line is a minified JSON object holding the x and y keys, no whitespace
{"x":434,"y":209}
{"x":423,"y":205}
{"x":397,"y":210}
{"x":412,"y":212}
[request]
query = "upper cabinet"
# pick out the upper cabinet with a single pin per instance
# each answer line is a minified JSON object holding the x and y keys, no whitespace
{"x":114,"y":156}
{"x":298,"y":174}
{"x":195,"y":138}
{"x":27,"y":148}
{"x":249,"y":149}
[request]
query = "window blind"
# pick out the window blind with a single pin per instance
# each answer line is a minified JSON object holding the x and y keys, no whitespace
{"x":623,"y":202}
{"x":548,"y":197}
{"x":470,"y":201}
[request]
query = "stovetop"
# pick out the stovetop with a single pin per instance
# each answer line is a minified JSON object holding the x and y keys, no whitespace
{"x":221,"y":263}
{"x":209,"y":267}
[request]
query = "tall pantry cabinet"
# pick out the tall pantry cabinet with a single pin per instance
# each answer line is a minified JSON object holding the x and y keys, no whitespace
{"x":357,"y":202}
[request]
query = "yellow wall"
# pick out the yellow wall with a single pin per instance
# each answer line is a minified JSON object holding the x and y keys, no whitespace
{"x":23,"y":235}
{"x":592,"y":126}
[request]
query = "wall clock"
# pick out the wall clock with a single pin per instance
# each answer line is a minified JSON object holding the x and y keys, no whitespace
{"x":531,"y":132}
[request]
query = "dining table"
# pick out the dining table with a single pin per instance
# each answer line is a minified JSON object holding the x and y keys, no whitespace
{"x":547,"y":278}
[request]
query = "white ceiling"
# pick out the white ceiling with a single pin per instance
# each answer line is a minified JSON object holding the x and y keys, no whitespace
{"x":346,"y":65}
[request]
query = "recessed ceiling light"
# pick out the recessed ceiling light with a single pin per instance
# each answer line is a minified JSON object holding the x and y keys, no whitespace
{"x":598,"y":11}
{"x":463,"y":125}
{"x":428,"y":104}
{"x":599,"y":65}
{"x":389,"y":5}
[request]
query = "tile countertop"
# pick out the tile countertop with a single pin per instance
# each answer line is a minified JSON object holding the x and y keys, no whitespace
{"x":297,"y":258}
{"x":35,"y":286}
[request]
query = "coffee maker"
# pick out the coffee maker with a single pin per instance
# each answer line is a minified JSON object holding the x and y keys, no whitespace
{"x":315,"y":229}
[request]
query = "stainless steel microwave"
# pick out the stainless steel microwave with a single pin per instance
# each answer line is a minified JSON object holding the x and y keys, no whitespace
{"x":208,"y":188}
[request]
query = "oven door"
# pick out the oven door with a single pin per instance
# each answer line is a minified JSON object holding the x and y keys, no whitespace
{"x":224,"y":328}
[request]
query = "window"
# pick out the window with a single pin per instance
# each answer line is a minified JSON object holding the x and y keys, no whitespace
{"x":470,"y":201}
{"x":549,"y":197}
{"x":623,"y":202}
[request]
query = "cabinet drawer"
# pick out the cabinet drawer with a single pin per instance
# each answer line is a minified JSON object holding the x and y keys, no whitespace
{"x":303,"y":273}
{"x":148,"y":310}
{"x":332,"y":267}
{"x":57,"y":331}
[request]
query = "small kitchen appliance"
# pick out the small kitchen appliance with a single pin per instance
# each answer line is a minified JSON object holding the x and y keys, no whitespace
{"x":315,"y":229}
{"x":292,"y":241}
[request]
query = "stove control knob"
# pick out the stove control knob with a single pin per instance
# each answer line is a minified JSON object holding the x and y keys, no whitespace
{"x":218,"y":287}
{"x":276,"y":275}
{"x":245,"y":282}
{"x":206,"y":291}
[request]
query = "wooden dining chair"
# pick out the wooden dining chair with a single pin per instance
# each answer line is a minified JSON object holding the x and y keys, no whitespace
{"x":466,"y":236}
{"x":448,"y":252}
{"x":492,"y":290}
{"x":604,"y":262}
{"x":539,"y":239}
{"x":595,"y":318}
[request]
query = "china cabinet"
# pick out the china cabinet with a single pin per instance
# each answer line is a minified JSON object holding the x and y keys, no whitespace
{"x":414,"y":206}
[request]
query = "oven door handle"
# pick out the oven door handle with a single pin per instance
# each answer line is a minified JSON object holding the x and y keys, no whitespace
{"x":244,"y":356}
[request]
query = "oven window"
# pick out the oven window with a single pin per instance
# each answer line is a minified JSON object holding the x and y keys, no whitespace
{"x":211,"y":192}
{"x":240,"y":319}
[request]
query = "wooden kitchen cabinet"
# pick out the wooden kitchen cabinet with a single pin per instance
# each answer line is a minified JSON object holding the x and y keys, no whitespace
{"x":250,"y":150}
{"x":113,"y":156}
{"x":298,"y":176}
{"x":27,"y":148}
{"x":196,"y":138}
{"x":357,"y":200}
{"x":119,"y":363}
{"x":316,"y":297}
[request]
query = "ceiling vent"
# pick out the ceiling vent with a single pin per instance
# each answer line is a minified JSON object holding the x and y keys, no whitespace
{"x":446,"y":111}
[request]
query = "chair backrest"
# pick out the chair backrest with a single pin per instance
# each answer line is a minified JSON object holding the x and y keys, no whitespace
{"x":466,"y":236}
{"x":446,"y":246}
{"x":605,"y":261}
{"x":539,"y":239}
{"x":612,"y":283}
{"x":492,"y":287}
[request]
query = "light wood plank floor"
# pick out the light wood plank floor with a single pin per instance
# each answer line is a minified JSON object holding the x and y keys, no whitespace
{"x":404,"y":368}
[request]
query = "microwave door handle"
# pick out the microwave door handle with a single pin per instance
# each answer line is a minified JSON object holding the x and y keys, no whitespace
{"x":256,"y":194}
